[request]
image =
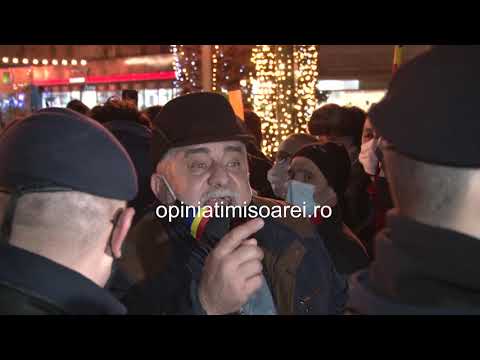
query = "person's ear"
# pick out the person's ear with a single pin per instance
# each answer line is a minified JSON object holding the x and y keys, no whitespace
{"x":120,"y":231}
{"x":156,"y":184}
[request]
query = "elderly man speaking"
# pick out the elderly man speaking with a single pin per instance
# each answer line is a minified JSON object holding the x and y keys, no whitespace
{"x":260,"y":266}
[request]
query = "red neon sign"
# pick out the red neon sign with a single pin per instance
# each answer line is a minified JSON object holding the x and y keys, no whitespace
{"x":162,"y":75}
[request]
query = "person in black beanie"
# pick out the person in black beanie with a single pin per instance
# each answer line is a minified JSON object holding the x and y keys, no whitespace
{"x":64,"y":184}
{"x":426,"y":259}
{"x":326,"y":168}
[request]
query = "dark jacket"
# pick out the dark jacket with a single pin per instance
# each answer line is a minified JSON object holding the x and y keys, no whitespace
{"x":297,"y":267}
{"x":136,"y":138}
{"x":34,"y":285}
{"x":381,"y":202}
{"x":346,"y":250}
{"x":419,"y":269}
{"x":358,"y":208}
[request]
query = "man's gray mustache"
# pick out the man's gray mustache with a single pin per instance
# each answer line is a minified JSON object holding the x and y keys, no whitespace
{"x":219,"y":194}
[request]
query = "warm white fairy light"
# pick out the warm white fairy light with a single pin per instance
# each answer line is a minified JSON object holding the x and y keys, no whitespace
{"x":283,"y":90}
{"x":306,"y":60}
{"x":176,"y":64}
{"x":45,"y":62}
{"x":215,"y":55}
{"x":264,"y":93}
{"x":186,"y":66}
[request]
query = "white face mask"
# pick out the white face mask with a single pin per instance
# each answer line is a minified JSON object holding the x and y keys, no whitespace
{"x":301,"y":194}
{"x":278,"y":177}
{"x":368,"y":157}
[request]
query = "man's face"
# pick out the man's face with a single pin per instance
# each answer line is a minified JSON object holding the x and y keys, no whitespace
{"x":209,"y":173}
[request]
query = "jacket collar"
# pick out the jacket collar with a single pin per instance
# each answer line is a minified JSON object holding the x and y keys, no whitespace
{"x":43,"y":278}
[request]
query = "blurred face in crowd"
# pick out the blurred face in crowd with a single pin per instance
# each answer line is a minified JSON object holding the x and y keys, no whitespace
{"x":304,"y":170}
{"x":368,"y":131}
{"x":205,"y":174}
{"x":278,"y":174}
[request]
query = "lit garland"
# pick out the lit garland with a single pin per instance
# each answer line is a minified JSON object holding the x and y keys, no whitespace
{"x":264,"y":93}
{"x":283,"y":90}
{"x":26,"y":62}
{"x":215,"y":56}
{"x":186,"y":67}
{"x":306,"y":59}
{"x":227,"y":72}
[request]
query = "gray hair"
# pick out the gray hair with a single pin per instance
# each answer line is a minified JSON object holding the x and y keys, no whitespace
{"x":67,"y":223}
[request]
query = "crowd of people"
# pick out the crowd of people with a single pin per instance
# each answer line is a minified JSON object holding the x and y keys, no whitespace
{"x":79,"y":189}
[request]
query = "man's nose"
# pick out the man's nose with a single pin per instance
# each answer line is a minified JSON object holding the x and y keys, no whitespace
{"x":219,"y":176}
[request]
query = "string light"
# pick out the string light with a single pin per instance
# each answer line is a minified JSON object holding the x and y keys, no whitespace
{"x":215,"y":54}
{"x":185,"y":61}
{"x":263,"y":93}
{"x":283,"y":98}
{"x":306,"y":59}
{"x":26,"y":61}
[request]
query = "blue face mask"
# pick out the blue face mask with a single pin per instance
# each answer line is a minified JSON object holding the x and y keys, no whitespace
{"x":301,"y":194}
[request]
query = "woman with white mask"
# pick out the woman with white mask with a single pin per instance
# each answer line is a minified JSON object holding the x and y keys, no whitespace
{"x":370,"y":157}
{"x":319,"y":175}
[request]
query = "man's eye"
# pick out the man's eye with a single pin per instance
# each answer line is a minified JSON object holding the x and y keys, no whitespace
{"x":233,"y":164}
{"x":198,"y":165}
